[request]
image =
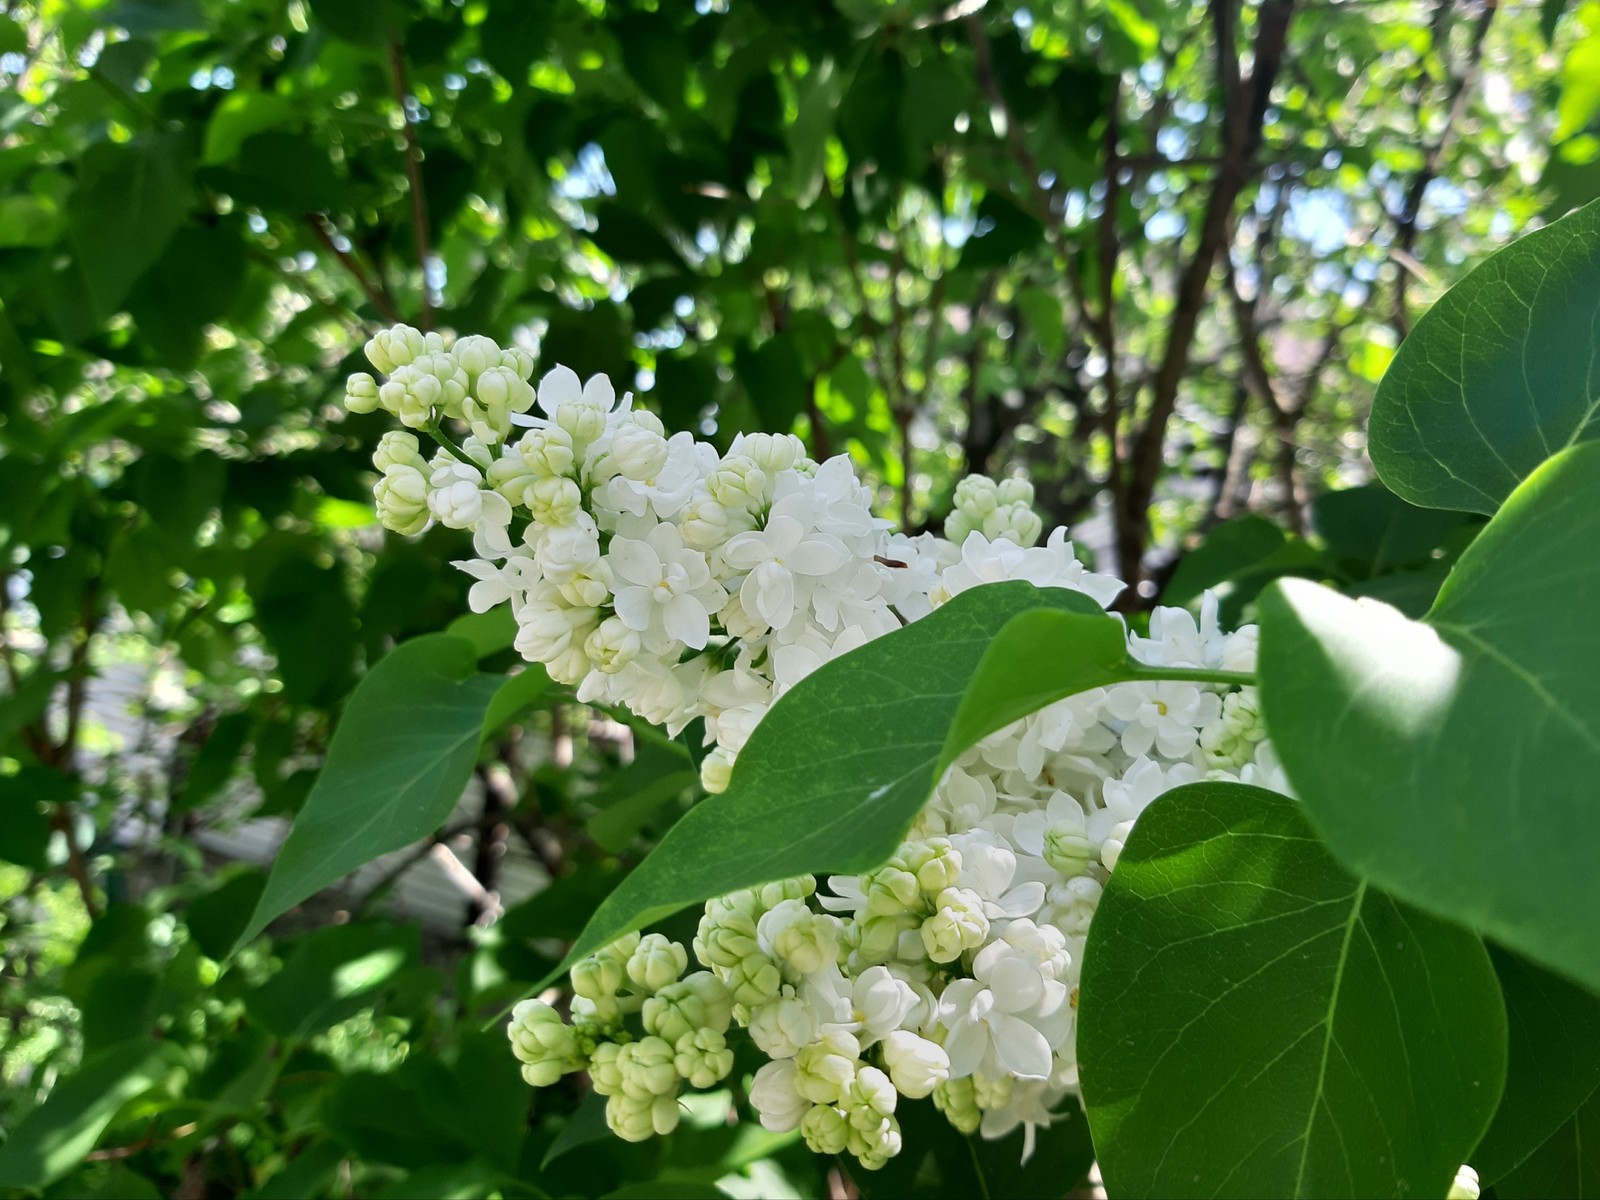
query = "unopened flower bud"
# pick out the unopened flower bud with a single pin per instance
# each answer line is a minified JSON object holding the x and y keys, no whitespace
{"x":656,"y":962}
{"x":636,"y":1118}
{"x":1068,"y":849}
{"x":361,"y":393}
{"x":394,"y":347}
{"x":826,"y":1129}
{"x":916,"y":1065}
{"x":958,"y":925}
{"x":773,"y":1095}
{"x":702,"y":1058}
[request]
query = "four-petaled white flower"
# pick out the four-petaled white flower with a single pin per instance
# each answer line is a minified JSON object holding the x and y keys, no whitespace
{"x":784,"y":560}
{"x":665,"y":588}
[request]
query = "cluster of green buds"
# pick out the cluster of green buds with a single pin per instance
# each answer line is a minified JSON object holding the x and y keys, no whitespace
{"x":639,"y":1027}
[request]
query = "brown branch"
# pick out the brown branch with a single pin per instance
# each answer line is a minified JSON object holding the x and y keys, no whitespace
{"x":321,"y":226}
{"x":1042,"y":203}
{"x":1245,"y":101}
{"x":1455,"y":108}
{"x":419,"y":202}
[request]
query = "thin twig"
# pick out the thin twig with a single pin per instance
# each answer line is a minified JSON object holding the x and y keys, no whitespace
{"x":380,"y":301}
{"x":419,"y":202}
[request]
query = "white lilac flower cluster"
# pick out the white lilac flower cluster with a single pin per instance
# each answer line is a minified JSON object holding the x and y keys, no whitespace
{"x":652,"y":573}
{"x":649,"y":571}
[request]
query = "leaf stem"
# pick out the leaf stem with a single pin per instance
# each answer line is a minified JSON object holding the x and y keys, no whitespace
{"x":1195,"y":675}
{"x":977,"y":1168}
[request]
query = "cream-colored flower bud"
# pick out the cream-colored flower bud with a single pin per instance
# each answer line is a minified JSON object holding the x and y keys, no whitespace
{"x":827,"y":1067}
{"x":876,"y":1146}
{"x":1015,"y":490}
{"x":1017,"y":523}
{"x":916,"y":1065}
{"x":738,"y":484}
{"x":716,"y":771}
{"x":772,"y":1094}
{"x":361,"y":393}
{"x":636,"y":453}
{"x":754,"y":980}
{"x":604,"y":1070}
{"x":826,"y":1129}
{"x":401,"y":498}
{"x":957,"y":1100}
{"x":476,"y":354}
{"x":1068,"y":849}
{"x":611,"y":647}
{"x":703,"y":1058}
{"x":656,"y":962}
{"x":726,"y":939}
{"x":891,"y":891}
{"x":597,"y":977}
{"x":869,"y":1098}
{"x":647,"y":1069}
{"x":519,"y":361}
{"x":941,"y":866}
{"x":555,"y":501}
{"x":396,"y":449}
{"x":394,"y":347}
{"x":958,"y":925}
{"x":782,"y":1025}
{"x":582,"y":422}
{"x":548,"y":451}
{"x":707,"y":525}
{"x":638,"y":1118}
{"x":772,"y":452}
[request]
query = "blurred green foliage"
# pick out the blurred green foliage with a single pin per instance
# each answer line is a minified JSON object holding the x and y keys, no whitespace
{"x":938,"y":237}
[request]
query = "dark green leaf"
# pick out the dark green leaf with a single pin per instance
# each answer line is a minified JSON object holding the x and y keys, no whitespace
{"x":216,"y":919}
{"x":489,"y":632}
{"x":1553,"y":1065}
{"x":1230,"y":549}
{"x":331,"y":974}
{"x":55,"y":1137}
{"x":214,"y":762}
{"x":131,"y":201}
{"x":304,"y":1175}
{"x":1567,"y":1167}
{"x":1493,"y":380}
{"x":397,"y":766}
{"x":1254,"y":1021}
{"x":1460,"y":772}
{"x":1373,"y":530}
{"x":24,"y":826}
{"x":514,"y":697}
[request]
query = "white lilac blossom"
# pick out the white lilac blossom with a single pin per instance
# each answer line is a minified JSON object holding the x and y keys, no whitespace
{"x":652,"y":573}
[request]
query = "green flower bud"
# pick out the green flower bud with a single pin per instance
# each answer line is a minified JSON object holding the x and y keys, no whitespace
{"x":826,"y":1130}
{"x":703,"y":1058}
{"x":656,"y":962}
{"x":636,"y":1118}
{"x":646,"y":1068}
{"x":955,"y":1099}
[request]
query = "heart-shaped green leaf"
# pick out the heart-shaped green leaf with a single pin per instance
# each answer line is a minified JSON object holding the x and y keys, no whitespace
{"x":1255,"y":1021}
{"x":1454,"y":761}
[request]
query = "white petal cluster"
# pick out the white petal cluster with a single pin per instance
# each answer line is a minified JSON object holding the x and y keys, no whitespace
{"x":652,"y":573}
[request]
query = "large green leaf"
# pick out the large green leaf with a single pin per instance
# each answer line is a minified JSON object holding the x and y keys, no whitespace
{"x":1498,"y":376}
{"x":839,"y":768}
{"x":1453,"y":761}
{"x":1553,"y":1066}
{"x":1255,"y":1021}
{"x":131,"y":201}
{"x":54,"y":1138}
{"x":397,"y":766}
